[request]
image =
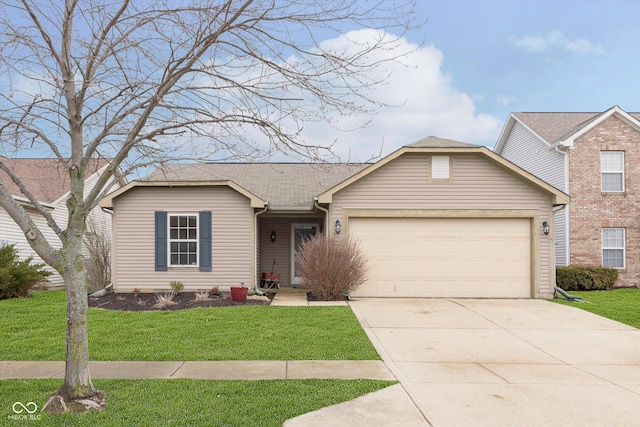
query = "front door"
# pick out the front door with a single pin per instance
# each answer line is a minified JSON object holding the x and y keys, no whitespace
{"x":299,"y":232}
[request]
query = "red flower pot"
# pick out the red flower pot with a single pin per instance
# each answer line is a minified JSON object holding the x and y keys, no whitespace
{"x":239,"y":294}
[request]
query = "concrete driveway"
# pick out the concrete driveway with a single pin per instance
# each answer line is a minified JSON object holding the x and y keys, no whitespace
{"x":507,"y":362}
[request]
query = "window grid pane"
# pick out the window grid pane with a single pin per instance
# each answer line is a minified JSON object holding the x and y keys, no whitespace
{"x":613,"y":247}
{"x":183,"y":240}
{"x":612,"y":162}
{"x":611,"y":182}
{"x":612,"y":170}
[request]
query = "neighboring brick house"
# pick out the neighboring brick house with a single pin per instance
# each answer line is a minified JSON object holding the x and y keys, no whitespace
{"x":595,"y":158}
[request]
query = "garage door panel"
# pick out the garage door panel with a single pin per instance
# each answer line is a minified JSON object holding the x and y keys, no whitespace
{"x":452,"y":257}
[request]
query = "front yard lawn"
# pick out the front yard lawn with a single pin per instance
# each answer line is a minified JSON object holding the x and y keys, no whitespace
{"x":34,"y":329}
{"x":187,"y":402}
{"x":621,"y":305}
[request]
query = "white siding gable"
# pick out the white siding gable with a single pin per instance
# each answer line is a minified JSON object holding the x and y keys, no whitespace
{"x":528,"y":151}
{"x":533,"y":155}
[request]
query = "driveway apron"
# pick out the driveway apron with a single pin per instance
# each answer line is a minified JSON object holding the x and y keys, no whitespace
{"x":469,"y":362}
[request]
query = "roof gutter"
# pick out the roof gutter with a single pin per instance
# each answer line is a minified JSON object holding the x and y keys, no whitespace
{"x":326,"y":215}
{"x":561,"y":145}
{"x":290,"y":209}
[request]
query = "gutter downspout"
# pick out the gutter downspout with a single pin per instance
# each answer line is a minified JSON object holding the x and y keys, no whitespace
{"x":326,"y":215}
{"x":256,"y":288}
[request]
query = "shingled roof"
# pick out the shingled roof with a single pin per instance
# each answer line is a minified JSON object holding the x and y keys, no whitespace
{"x":554,"y":127}
{"x":46,"y":179}
{"x":284,"y":185}
{"x":435,"y":142}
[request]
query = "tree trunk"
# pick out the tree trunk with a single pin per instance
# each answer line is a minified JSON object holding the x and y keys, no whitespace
{"x":77,"y":394}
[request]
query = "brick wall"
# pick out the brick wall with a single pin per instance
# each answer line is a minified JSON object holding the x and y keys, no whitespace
{"x":591,"y":209}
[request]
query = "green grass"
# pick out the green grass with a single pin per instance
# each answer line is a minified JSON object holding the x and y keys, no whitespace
{"x":183,"y":402}
{"x":34,"y":329}
{"x":622,"y":305}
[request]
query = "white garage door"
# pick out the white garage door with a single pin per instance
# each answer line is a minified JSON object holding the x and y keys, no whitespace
{"x":434,"y":257}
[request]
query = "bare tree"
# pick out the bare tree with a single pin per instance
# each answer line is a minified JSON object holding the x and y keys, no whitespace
{"x":144,"y":82}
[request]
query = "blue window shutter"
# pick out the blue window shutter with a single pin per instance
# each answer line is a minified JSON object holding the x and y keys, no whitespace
{"x":161,"y":241}
{"x":205,"y":240}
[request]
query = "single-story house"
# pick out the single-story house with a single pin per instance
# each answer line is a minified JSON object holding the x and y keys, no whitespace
{"x":436,"y":218}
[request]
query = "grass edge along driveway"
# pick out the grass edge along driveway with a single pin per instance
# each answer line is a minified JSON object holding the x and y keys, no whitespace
{"x":620,"y":305}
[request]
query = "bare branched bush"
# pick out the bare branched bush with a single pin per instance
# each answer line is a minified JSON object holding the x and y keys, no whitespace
{"x":202,"y":296}
{"x":98,"y":245}
{"x":164,"y":300}
{"x":331,"y":267}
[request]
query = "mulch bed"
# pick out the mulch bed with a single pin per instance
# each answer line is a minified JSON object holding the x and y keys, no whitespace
{"x":183,"y":300}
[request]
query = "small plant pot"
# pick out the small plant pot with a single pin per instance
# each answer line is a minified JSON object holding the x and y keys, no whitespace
{"x":239,"y":294}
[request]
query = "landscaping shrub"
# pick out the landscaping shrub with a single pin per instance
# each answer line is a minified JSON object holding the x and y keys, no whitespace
{"x":585,"y":278}
{"x":331,"y":267}
{"x":16,"y":277}
{"x":98,"y":265}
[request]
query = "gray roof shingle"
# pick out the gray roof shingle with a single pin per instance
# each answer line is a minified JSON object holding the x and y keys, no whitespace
{"x":281,"y":184}
{"x":435,"y":142}
{"x":554,"y":127}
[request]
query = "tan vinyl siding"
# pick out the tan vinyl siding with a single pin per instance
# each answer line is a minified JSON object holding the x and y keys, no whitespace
{"x":477,"y":184}
{"x":135,"y":237}
{"x":276,"y":256}
{"x":280,"y":251}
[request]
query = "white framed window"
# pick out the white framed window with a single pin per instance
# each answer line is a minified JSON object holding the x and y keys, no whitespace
{"x":183,"y":240}
{"x":613,"y":247}
{"x":440,"y":168}
{"x":612,"y":171}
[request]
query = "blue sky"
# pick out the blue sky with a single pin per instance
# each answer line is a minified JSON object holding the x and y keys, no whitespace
{"x":488,"y":58}
{"x":473,"y":62}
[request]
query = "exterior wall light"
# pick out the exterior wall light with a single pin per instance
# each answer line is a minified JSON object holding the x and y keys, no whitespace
{"x":337,"y":227}
{"x":545,"y":228}
{"x":273,"y":236}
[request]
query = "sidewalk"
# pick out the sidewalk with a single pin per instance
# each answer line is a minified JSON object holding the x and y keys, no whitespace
{"x":208,"y":370}
{"x":390,"y":406}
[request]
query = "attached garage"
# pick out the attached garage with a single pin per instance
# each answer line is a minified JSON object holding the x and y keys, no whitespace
{"x":445,"y":257}
{"x":444,"y":219}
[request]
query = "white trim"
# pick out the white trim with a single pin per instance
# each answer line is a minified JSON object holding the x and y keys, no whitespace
{"x":197,"y":239}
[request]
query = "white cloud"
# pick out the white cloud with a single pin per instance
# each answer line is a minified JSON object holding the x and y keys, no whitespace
{"x":557,"y":39}
{"x":427,"y":103}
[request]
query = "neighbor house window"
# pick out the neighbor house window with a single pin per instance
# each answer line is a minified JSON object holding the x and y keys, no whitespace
{"x":183,"y":240}
{"x":440,"y":168}
{"x":613,"y":247}
{"x":612,"y":168}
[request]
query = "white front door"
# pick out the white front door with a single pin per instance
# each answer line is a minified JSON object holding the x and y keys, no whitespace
{"x":299,"y":232}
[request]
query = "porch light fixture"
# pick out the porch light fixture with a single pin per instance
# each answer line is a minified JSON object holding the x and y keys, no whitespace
{"x":273,"y":236}
{"x":337,"y":227}
{"x":545,"y":228}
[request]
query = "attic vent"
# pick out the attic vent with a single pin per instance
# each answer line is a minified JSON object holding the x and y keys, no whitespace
{"x":440,"y":167}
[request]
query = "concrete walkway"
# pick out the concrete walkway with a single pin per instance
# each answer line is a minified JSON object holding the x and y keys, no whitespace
{"x":204,"y":370}
{"x":507,"y":362}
